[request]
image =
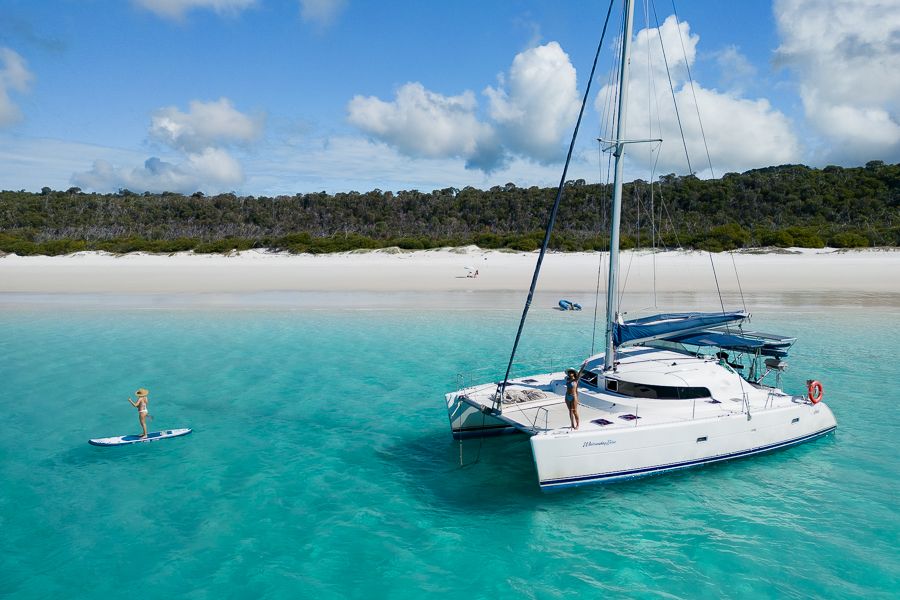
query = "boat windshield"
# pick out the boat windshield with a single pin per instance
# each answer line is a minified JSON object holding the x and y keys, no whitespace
{"x":658,"y":392}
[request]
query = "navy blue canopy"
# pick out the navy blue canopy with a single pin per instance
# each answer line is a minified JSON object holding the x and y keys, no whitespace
{"x":670,"y":325}
{"x":766,"y":344}
{"x":718,"y":339}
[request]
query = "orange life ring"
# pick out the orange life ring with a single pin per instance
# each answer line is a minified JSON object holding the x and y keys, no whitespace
{"x":815,"y":391}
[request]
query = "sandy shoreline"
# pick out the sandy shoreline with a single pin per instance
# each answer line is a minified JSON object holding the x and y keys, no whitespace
{"x":799,"y":271}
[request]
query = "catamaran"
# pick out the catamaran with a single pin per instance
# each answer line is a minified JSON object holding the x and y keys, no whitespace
{"x":666,"y":394}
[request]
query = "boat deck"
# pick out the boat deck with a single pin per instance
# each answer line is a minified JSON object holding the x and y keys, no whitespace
{"x":537,"y":403}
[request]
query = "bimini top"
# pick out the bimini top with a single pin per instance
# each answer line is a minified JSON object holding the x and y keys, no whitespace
{"x":766,"y":344}
{"x":670,"y":325}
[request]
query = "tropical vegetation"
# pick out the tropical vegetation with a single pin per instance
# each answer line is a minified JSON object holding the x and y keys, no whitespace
{"x":789,"y":205}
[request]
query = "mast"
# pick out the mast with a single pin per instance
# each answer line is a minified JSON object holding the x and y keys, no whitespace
{"x":612,"y":302}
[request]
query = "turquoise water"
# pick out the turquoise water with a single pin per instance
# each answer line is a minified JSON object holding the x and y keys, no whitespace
{"x":321,"y":463}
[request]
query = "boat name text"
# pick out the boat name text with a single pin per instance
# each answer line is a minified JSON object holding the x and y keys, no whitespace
{"x":603,"y":443}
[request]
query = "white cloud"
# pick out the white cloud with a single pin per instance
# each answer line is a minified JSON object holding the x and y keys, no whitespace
{"x":14,"y":75}
{"x":420,"y":123}
{"x":212,"y":170}
{"x":345,"y":163}
{"x":205,"y":124}
{"x":307,"y":164}
{"x":531,"y":111}
{"x":736,"y":71}
{"x":540,"y":102}
{"x":741,"y":133}
{"x":177,"y":9}
{"x":846,"y":57}
{"x":199,"y":136}
{"x":321,"y":12}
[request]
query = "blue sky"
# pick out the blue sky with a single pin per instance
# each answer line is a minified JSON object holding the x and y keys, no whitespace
{"x":272,"y":97}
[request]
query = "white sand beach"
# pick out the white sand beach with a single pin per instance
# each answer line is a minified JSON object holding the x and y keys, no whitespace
{"x":794,"y":270}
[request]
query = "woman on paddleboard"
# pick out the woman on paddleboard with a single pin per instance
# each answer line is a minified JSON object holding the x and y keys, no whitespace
{"x":141,"y":405}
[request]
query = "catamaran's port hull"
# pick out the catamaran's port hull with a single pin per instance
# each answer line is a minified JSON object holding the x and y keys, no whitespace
{"x":567,"y":459}
{"x":466,"y":421}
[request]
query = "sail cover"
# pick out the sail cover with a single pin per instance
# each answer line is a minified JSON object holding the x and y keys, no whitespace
{"x":669,"y":325}
{"x":725,"y":341}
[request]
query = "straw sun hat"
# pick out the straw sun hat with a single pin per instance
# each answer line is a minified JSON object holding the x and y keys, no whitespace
{"x":142,"y":392}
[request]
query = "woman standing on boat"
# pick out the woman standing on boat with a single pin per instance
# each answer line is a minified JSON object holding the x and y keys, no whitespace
{"x":572,"y":396}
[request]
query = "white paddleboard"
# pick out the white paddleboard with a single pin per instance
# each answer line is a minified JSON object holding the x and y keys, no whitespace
{"x":136,"y":439}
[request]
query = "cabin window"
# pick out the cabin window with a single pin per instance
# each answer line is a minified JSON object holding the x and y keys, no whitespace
{"x":659,"y":392}
{"x":589,"y":377}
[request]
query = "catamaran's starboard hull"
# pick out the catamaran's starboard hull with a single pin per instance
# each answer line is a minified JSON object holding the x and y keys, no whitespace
{"x":568,"y":459}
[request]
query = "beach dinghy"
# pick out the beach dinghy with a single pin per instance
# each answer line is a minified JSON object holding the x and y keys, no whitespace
{"x":568,"y":305}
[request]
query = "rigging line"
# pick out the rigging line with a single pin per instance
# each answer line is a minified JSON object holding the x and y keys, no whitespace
{"x":621,"y":289}
{"x":716,"y":277}
{"x":665,"y":206}
{"x":596,"y":304}
{"x":672,"y":89}
{"x":693,"y":93}
{"x":612,"y":94}
{"x":653,"y":223}
{"x":736,"y":274}
{"x":604,"y":204}
{"x":653,"y":151}
{"x":554,"y":211}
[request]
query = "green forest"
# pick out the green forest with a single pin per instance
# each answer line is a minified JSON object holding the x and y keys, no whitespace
{"x":789,"y":205}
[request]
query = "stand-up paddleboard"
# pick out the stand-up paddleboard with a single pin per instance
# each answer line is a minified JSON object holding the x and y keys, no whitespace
{"x":123,"y":440}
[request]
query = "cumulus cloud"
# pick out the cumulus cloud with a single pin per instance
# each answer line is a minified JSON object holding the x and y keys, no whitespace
{"x":539,"y":103}
{"x":15,"y":76}
{"x":321,"y":12}
{"x":212,"y":169}
{"x":205,"y":124}
{"x":200,"y":137}
{"x":741,"y":133}
{"x":345,"y":163}
{"x":177,"y":9}
{"x":530,"y":112}
{"x":425,"y":124}
{"x":846,"y":57}
{"x":736,"y":71}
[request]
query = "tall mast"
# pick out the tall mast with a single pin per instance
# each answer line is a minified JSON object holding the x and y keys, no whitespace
{"x":612,"y":302}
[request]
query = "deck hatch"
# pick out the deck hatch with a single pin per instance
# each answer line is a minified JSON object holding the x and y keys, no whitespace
{"x":795,"y":420}
{"x":701,"y":439}
{"x":602,"y":422}
{"x":629,"y":417}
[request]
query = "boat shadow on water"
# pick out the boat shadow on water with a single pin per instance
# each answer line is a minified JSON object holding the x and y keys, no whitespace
{"x":501,"y":467}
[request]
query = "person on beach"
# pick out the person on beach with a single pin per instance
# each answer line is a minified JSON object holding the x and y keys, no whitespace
{"x":143,"y":397}
{"x":572,"y":396}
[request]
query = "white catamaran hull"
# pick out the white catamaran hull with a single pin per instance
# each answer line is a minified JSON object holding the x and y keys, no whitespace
{"x":468,"y":421}
{"x":566,"y":458}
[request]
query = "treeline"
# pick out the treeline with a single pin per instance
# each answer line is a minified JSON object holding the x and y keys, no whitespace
{"x":790,"y":205}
